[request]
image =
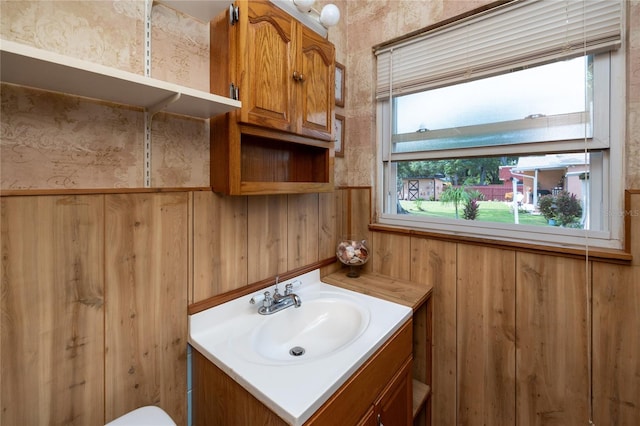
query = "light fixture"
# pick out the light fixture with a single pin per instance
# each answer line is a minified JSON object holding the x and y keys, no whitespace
{"x":304,"y":6}
{"x":328,"y":16}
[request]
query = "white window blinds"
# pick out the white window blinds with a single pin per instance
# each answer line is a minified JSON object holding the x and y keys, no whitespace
{"x":515,"y":35}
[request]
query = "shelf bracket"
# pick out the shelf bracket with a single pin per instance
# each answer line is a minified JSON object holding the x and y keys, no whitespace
{"x":148,"y":118}
{"x":153,"y":109}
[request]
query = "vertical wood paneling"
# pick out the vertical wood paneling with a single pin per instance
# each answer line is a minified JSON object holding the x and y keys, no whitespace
{"x":330,"y":222}
{"x":359,"y":212}
{"x":267,"y":236}
{"x":434,"y":263}
{"x":552,"y":357}
{"x":303,"y":230}
{"x":616,"y":344}
{"x":632,"y":216}
{"x":52,"y":336}
{"x":220,"y":244}
{"x":486,"y":335}
{"x":146,"y":315}
{"x":392,"y":255}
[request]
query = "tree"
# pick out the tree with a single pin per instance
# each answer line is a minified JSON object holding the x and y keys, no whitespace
{"x":454,"y":195}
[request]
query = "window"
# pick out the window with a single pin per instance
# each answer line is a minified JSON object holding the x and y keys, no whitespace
{"x":507,"y":124}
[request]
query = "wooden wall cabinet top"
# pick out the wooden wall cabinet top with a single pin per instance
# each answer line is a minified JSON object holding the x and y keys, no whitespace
{"x":281,"y":140}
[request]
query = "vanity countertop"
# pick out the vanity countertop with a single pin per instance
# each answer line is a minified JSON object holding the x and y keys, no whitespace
{"x":396,"y":290}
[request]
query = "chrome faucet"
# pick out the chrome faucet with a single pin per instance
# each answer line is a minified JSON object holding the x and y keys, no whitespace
{"x":277,"y":302}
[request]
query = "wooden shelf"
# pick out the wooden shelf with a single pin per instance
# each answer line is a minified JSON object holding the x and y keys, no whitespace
{"x":29,"y":66}
{"x":421,"y":393}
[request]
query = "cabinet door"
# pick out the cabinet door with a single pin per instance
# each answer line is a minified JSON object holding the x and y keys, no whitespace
{"x":266,"y":53}
{"x":316,"y":94}
{"x":369,"y":419}
{"x":395,"y":406}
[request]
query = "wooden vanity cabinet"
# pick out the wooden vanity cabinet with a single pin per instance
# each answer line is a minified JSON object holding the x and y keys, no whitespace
{"x":381,"y":386}
{"x":394,"y":407}
{"x":281,"y":139}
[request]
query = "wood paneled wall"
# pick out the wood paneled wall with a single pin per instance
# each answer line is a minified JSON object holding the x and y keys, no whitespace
{"x":146,"y":298}
{"x":52,"y":319}
{"x":243,"y":240}
{"x":93,"y":307}
{"x":514,"y":332}
{"x":95,"y":289}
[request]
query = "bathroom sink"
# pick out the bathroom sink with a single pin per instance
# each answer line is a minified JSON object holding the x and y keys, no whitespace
{"x":293,"y":360}
{"x":325,"y":323}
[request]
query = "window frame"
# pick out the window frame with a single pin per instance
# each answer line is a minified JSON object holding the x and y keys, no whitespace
{"x":609,"y":139}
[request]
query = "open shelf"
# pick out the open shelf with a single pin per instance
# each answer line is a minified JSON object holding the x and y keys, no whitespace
{"x":29,"y":66}
{"x":421,"y":393}
{"x":274,"y":166}
{"x":203,"y":10}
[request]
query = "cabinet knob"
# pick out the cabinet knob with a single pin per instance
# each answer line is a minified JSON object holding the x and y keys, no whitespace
{"x":298,"y":76}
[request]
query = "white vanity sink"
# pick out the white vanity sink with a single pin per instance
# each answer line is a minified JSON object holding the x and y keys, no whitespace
{"x":295,"y":359}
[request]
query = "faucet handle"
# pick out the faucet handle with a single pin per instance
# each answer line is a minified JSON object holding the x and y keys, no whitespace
{"x":291,"y":286}
{"x":267,"y":299}
{"x":256,"y":299}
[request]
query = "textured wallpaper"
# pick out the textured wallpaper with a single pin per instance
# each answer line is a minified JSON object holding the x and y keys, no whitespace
{"x":54,"y":141}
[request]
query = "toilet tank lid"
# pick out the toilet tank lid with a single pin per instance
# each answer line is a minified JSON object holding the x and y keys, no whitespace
{"x":144,"y":416}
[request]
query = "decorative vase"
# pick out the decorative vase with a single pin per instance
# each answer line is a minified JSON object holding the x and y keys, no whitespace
{"x":354,"y":253}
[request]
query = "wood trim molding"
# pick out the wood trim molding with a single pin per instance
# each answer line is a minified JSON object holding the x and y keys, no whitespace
{"x":93,"y":191}
{"x":219,"y":299}
{"x":622,"y":257}
{"x":601,"y":255}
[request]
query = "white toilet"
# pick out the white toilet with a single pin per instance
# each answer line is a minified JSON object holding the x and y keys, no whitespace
{"x":144,"y":416}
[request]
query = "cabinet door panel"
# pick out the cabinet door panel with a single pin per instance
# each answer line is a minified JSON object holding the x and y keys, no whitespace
{"x":265,"y":67}
{"x":317,"y":89}
{"x":395,"y":406}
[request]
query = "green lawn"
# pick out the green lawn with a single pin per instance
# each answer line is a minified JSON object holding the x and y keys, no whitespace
{"x":490,"y":211}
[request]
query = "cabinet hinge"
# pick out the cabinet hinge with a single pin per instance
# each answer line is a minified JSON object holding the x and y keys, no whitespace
{"x":234,"y":92}
{"x":234,"y":14}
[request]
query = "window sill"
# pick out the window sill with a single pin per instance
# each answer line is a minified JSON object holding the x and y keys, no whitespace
{"x":595,"y":254}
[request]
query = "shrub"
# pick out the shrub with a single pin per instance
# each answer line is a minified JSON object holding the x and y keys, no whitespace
{"x":563,"y":208}
{"x":547,"y":206}
{"x":471,"y":208}
{"x":569,"y":208}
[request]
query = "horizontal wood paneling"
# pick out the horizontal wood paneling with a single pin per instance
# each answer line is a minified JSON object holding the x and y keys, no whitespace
{"x":52,"y":334}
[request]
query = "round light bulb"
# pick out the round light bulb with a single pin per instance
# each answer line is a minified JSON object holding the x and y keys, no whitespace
{"x":330,"y":15}
{"x":304,"y":6}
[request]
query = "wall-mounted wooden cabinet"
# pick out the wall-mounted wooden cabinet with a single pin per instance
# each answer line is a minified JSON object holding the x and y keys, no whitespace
{"x":280,"y":141}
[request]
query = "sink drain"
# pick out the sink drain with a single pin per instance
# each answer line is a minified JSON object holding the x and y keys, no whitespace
{"x":296,"y":351}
